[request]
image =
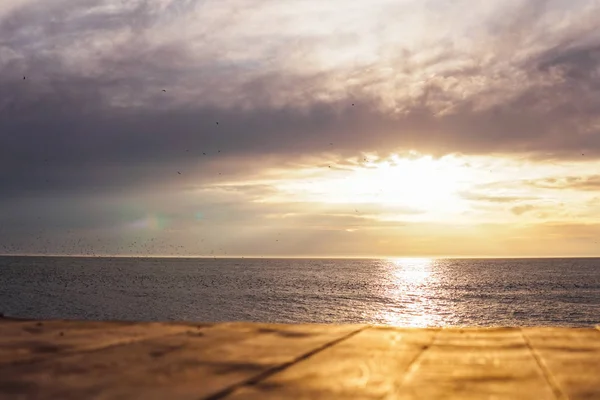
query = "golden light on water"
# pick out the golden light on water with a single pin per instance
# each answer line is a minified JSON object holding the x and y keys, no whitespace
{"x":411,"y":286}
{"x":413,"y":271}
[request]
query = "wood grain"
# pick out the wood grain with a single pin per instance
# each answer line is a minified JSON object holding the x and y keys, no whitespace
{"x":184,"y":366}
{"x":369,"y":365}
{"x":571,"y":358}
{"x":30,"y":340}
{"x":117,"y":360}
{"x":476,"y":364}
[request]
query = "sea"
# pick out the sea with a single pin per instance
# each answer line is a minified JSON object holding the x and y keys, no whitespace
{"x":407,"y":292}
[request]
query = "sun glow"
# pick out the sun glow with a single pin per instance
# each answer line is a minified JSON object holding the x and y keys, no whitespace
{"x":417,"y":185}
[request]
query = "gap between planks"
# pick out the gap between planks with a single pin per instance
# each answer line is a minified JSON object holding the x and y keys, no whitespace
{"x":552,"y":382}
{"x":411,"y":368}
{"x":266,"y":374}
{"x":272,"y":371}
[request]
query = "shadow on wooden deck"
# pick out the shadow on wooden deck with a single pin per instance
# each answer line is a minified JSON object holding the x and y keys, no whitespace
{"x":88,"y":359}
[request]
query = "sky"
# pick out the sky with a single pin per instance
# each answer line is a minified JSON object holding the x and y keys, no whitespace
{"x":304,"y":128}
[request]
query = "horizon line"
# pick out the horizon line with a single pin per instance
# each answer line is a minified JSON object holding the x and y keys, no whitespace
{"x":298,"y":257}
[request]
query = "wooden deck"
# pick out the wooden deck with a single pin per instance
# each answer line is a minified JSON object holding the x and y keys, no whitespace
{"x":106,"y":360}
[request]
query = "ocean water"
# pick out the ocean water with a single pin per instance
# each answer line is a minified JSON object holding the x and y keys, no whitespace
{"x":412,"y":292}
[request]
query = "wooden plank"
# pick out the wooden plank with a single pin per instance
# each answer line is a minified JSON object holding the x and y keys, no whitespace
{"x":367,"y":365}
{"x":477,"y":364}
{"x":255,"y":361}
{"x":185,"y":366}
{"x":406,"y":364}
{"x":571,"y":358}
{"x":30,"y":340}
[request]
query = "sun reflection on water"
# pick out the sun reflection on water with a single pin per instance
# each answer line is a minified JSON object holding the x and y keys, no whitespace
{"x":410,"y":288}
{"x":412,"y":270}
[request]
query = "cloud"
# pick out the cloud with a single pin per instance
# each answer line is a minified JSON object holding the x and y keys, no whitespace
{"x":125,"y":99}
{"x":584,"y":183}
{"x":493,"y":198}
{"x":96,"y":74}
{"x":588,"y":232}
{"x":522,"y":209}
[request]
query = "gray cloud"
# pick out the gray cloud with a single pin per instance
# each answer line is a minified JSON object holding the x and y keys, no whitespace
{"x":77,"y":113}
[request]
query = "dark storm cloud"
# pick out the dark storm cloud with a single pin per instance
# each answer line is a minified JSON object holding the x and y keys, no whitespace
{"x":576,"y":63}
{"x":140,"y":110}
